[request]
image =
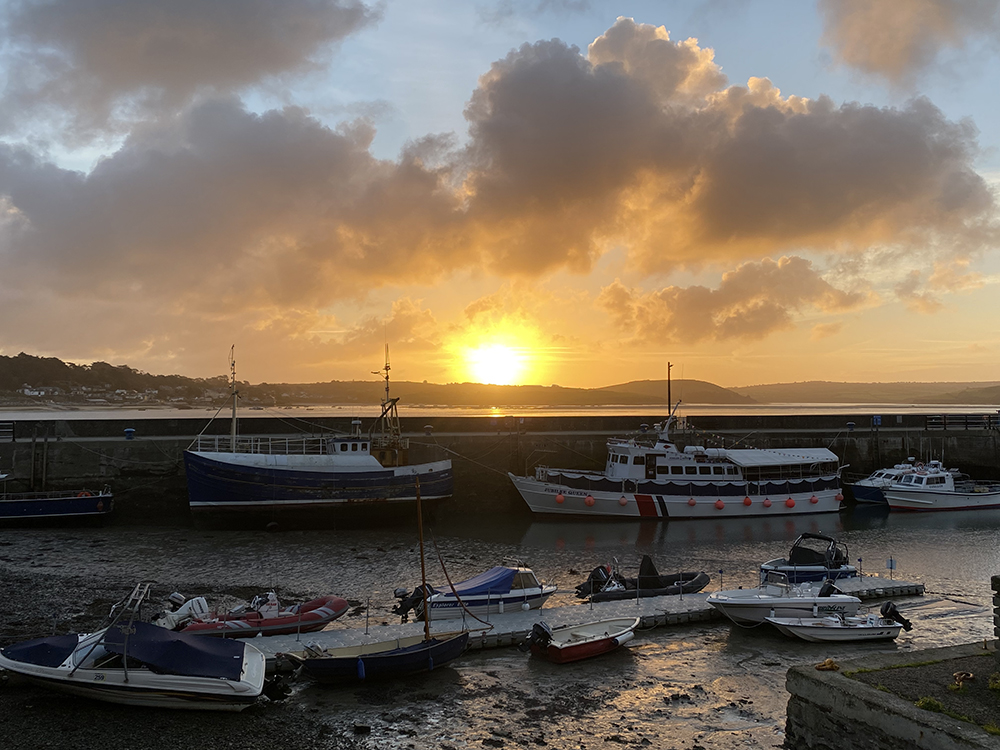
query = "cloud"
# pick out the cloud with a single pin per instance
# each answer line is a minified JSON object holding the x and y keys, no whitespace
{"x":224,"y":209}
{"x":909,"y":292}
{"x":899,"y":40}
{"x":90,"y":66}
{"x":631,"y":146}
{"x":822,"y":331}
{"x":752,"y":302}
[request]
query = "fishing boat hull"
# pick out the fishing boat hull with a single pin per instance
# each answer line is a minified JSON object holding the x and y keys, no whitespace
{"x":578,"y":642}
{"x":240,"y":483}
{"x":579,"y":494}
{"x":837,"y":629}
{"x":382,"y":660}
{"x":868,"y":494}
{"x":65,"y":506}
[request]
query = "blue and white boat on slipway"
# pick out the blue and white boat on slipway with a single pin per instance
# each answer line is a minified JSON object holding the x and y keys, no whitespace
{"x":362,"y":476}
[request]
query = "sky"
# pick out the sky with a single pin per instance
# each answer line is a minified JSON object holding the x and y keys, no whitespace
{"x":564,"y":192}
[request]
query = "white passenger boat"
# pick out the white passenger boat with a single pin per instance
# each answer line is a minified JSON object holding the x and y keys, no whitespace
{"x":136,"y":663}
{"x":933,"y":487}
{"x":778,"y":598}
{"x":843,"y":628}
{"x":648,"y":476}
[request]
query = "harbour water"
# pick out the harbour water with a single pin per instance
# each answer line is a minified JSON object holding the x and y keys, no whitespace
{"x":712,"y":685}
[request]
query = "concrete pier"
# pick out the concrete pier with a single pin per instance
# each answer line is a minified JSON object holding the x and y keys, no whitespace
{"x":512,"y":628}
{"x":142,"y":459}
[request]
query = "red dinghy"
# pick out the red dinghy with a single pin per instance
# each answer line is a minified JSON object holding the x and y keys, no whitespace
{"x":264,"y":616}
{"x":575,"y":642}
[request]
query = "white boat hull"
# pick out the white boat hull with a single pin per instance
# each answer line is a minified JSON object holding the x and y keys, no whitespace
{"x":446,"y":606}
{"x":752,"y":606}
{"x":929,"y":500}
{"x":837,"y":630}
{"x":555,"y":499}
{"x":142,"y":687}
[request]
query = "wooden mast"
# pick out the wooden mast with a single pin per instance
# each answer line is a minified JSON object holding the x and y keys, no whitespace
{"x":423,"y":567}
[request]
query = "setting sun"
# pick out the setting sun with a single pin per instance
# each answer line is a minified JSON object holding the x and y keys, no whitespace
{"x":496,"y":364}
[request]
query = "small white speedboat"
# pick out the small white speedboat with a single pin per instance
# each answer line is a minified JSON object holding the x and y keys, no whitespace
{"x":840,"y":628}
{"x":775,"y":597}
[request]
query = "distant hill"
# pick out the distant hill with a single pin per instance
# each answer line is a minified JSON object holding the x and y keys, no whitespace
{"x":688,"y":391}
{"x":823,"y":392}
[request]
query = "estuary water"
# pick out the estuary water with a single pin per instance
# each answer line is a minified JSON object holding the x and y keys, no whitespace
{"x":712,"y":685}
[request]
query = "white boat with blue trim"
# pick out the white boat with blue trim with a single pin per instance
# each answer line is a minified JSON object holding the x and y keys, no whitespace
{"x":648,"y":476}
{"x":932,"y":488}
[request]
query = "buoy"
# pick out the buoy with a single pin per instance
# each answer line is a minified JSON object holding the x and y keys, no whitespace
{"x":84,"y":493}
{"x":622,"y":501}
{"x":747,"y":500}
{"x":719,"y":504}
{"x":100,"y":505}
{"x":430,"y":663}
{"x":814,"y":499}
{"x":839,"y":498}
{"x":589,"y":501}
{"x":767,"y":502}
{"x":560,"y":498}
{"x":789,"y":503}
{"x":691,"y":501}
{"x":361,"y":669}
{"x":525,"y":607}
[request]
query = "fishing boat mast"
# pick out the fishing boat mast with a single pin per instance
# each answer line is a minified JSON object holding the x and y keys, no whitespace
{"x":236,"y":395}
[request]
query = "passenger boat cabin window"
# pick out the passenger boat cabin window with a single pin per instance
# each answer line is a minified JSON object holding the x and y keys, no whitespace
{"x":704,"y":469}
{"x":364,"y":446}
{"x":690,"y":469}
{"x":638,"y":460}
{"x":718,"y":469}
{"x":935,"y":480}
{"x":343,"y":447}
{"x":354,"y":446}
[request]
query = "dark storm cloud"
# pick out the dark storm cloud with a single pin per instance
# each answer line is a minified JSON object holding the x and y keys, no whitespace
{"x":899,"y":40}
{"x":753,"y":301}
{"x":95,"y":64}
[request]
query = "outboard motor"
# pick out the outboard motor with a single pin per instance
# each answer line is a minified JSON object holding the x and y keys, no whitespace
{"x":194,"y":609}
{"x":596,"y":581}
{"x":829,"y":589}
{"x":889,"y":612}
{"x":540,"y":636}
{"x":408,"y":603}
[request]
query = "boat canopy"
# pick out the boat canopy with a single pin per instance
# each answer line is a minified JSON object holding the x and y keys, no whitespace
{"x":496,"y":580}
{"x":43,"y":652}
{"x":772,"y":457}
{"x":168,"y":652}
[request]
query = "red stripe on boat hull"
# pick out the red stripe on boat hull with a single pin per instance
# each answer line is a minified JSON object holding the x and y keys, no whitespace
{"x":647,"y":506}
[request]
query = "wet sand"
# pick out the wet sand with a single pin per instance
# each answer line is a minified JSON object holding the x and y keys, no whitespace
{"x":711,"y":686}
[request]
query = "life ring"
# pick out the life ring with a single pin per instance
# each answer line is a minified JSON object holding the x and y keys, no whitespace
{"x":919,"y":466}
{"x":84,"y":493}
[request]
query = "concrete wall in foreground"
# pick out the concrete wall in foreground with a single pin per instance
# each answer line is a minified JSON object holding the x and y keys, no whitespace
{"x":828,"y":711}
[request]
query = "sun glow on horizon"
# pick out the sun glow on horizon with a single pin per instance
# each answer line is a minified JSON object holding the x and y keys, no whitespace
{"x":496,"y":364}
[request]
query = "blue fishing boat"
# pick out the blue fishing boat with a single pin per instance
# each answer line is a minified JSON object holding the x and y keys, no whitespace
{"x":363,"y":475}
{"x":54,"y":506}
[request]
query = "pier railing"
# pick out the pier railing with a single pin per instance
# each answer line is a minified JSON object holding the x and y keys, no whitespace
{"x":962,"y":422}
